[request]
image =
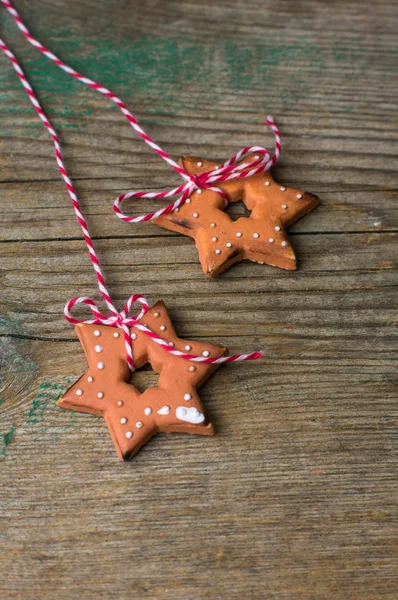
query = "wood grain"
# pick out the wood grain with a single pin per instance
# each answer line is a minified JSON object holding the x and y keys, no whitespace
{"x":296,"y":496}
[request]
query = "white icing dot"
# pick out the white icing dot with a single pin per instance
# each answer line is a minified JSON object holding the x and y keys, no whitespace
{"x":212,"y":224}
{"x":256,"y":235}
{"x":256,"y":157}
{"x":214,"y":239}
{"x":187,"y":397}
{"x":156,"y":314}
{"x":123,"y":420}
{"x":277,"y":228}
{"x":139,"y":424}
{"x":267,"y":183}
{"x":188,"y":200}
{"x":129,"y":434}
{"x":176,"y":209}
{"x":299,"y":196}
{"x":79,"y":392}
{"x":165,"y":410}
{"x":90,"y":379}
{"x":271,"y":240}
{"x":284,"y":205}
{"x":97,"y":333}
{"x":120,"y":403}
{"x":218,"y":251}
{"x":98,"y":348}
{"x":284,"y":243}
{"x":196,"y":215}
{"x":133,"y":336}
{"x":200,"y":164}
{"x":171,"y":344}
{"x":192,"y":368}
{"x":100,"y":365}
{"x":206,"y":353}
{"x":188,"y":347}
{"x":116,"y":334}
{"x":283,"y":189}
{"x":163,"y":328}
{"x":239,"y":234}
{"x":100,"y":394}
{"x":148,"y":411}
{"x":199,"y":191}
{"x":229,"y":245}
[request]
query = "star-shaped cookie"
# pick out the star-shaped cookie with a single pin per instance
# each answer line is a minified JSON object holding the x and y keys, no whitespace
{"x":261,"y":238}
{"x":133,"y":418}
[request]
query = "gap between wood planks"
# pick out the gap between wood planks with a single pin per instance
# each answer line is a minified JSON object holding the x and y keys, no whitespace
{"x":160,"y":236}
{"x":347,"y":190}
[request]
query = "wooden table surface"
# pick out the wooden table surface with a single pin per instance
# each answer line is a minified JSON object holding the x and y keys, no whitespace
{"x":295,"y":498}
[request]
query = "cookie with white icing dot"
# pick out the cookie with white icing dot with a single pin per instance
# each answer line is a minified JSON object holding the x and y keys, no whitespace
{"x":133,"y":417}
{"x":220,"y":241}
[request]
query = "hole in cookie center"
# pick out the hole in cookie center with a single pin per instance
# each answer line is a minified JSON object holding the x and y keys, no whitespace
{"x":143,"y":378}
{"x":236,"y":210}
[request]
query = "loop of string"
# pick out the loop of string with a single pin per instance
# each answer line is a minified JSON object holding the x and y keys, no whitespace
{"x":204,"y":181}
{"x":120,"y":320}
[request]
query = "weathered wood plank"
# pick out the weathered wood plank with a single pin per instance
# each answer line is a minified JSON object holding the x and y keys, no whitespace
{"x":288,"y":465}
{"x":344,"y":159}
{"x":350,"y":274}
{"x":52,"y":218}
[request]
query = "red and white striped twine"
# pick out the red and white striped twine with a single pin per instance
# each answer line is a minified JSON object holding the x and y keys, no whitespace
{"x":207,"y":180}
{"x":204,"y":181}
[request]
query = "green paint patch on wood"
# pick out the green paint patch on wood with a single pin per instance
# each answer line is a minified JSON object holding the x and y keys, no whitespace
{"x":161,"y":67}
{"x":50,"y":392}
{"x":10,"y":326}
{"x":158,"y":69}
{"x":41,"y":402}
{"x":38,"y":407}
{"x":6,"y":439}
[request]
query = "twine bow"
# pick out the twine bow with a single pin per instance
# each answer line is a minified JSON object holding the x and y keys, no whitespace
{"x":205,"y":181}
{"x":117,"y":319}
{"x":123,"y":321}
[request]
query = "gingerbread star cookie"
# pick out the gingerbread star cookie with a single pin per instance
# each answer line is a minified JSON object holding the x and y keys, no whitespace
{"x":133,"y":418}
{"x":261,"y":238}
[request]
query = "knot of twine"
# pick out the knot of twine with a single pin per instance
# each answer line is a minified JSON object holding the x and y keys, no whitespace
{"x":120,"y":319}
{"x":204,"y":181}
